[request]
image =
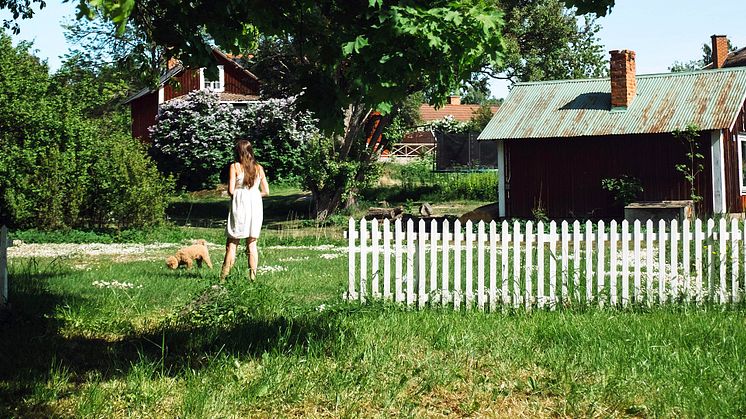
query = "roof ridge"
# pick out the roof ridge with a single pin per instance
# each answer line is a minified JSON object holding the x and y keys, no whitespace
{"x":648,"y":75}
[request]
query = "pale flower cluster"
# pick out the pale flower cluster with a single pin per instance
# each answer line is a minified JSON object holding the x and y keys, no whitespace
{"x":115,"y":285}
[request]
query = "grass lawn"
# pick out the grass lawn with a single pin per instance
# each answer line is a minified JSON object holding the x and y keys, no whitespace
{"x":119,"y":335}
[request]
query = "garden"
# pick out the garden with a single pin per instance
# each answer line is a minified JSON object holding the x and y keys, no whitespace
{"x":97,"y":325}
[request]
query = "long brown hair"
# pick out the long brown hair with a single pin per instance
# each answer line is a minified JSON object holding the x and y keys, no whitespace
{"x":244,"y":155}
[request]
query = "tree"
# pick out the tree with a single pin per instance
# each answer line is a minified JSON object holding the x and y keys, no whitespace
{"x":693,"y":65}
{"x":60,"y":168}
{"x":544,"y":41}
{"x":351,"y":57}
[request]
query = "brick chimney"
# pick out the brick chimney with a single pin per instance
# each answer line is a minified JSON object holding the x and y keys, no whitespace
{"x":719,"y":50}
{"x":454,"y":100}
{"x":623,"y":81}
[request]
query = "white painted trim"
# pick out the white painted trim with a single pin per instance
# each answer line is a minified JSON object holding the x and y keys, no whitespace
{"x":718,"y":172}
{"x":741,"y":138}
{"x":501,"y":178}
{"x":221,"y":79}
{"x":161,"y":95}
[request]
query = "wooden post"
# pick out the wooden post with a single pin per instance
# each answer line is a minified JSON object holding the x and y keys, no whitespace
{"x":3,"y":266}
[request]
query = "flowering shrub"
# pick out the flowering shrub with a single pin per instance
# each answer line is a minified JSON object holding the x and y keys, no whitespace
{"x":449,"y":124}
{"x":194,"y":136}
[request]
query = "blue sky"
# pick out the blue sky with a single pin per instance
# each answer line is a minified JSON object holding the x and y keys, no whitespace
{"x":661,"y":32}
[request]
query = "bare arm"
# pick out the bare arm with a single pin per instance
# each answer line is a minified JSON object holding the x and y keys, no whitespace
{"x":263,"y":185}
{"x":232,"y":180}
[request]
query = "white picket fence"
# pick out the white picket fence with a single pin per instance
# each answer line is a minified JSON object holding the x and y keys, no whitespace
{"x":524,"y":265}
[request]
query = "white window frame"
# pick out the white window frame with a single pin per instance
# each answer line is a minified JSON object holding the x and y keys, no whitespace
{"x":216,"y":86}
{"x":741,"y":138}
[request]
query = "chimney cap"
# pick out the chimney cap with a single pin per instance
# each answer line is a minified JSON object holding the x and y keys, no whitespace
{"x":719,"y":36}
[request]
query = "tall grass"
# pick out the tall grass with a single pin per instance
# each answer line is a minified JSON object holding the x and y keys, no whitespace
{"x":287,"y":345}
{"x":417,"y":181}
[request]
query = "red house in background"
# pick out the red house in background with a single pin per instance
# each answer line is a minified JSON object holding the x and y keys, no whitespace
{"x":235,"y":85}
{"x":558,"y":139}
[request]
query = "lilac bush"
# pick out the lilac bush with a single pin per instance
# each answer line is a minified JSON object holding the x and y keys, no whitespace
{"x":194,"y":136}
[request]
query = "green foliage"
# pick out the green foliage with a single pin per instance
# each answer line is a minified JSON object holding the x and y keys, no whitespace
{"x":194,"y":137}
{"x":546,"y":41}
{"x":418,"y":182}
{"x":405,"y":118}
{"x":693,"y":65}
{"x":61,"y":169}
{"x":481,"y":117}
{"x":625,"y":189}
{"x":689,"y":137}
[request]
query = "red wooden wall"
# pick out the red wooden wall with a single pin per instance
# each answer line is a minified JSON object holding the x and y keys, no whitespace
{"x":145,"y":109}
{"x":564,"y":175}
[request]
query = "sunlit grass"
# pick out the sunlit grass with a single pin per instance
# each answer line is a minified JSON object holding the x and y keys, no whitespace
{"x":180,"y":344}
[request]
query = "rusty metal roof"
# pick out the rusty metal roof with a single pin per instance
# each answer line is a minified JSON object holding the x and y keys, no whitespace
{"x":664,"y":103}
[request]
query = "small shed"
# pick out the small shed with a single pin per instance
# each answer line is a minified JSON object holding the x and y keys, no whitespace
{"x":557,"y":140}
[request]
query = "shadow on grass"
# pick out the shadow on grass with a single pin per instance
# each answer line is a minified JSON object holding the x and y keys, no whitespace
{"x":33,"y":339}
{"x":210,"y":213}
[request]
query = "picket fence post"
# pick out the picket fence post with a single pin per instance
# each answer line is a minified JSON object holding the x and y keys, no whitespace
{"x":4,"y":266}
{"x":457,"y":265}
{"x":480,"y":266}
{"x":398,"y":259}
{"x":529,"y":264}
{"x":374,"y":235}
{"x":386,"y":259}
{"x":351,"y":235}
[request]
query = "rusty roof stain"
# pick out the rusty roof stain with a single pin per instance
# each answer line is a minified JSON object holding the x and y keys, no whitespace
{"x":664,"y":103}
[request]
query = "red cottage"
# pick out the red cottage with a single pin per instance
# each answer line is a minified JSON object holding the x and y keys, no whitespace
{"x":558,"y":140}
{"x":235,"y":85}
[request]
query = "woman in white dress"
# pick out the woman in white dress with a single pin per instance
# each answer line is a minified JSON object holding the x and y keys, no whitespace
{"x":247,"y":185}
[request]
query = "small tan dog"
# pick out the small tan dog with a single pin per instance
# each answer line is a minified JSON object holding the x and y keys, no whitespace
{"x":187,"y":255}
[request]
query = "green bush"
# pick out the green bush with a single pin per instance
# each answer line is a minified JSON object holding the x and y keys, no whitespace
{"x":59,"y":169}
{"x":418,"y":182}
{"x":193,"y":138}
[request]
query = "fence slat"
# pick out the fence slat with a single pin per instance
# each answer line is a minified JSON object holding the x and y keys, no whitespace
{"x":493,"y":265}
{"x":363,"y":259}
{"x":686,"y":258}
{"x":588,"y":262}
{"x":661,"y":262}
{"x":410,"y":262}
{"x":504,"y":254}
{"x":421,"y":263}
{"x":351,"y":255}
{"x":445,"y":240}
{"x":734,"y":253}
{"x":674,"y":260}
{"x":399,"y":276}
{"x":723,"y":243}
{"x":710,"y":249}
{"x":637,"y":238}
{"x":4,"y":297}
{"x":481,"y":297}
{"x":374,"y":255}
{"x":552,"y":265}
{"x":600,"y":265}
{"x":517,"y":239}
{"x":433,"y":291}
{"x":457,"y":265}
{"x":625,"y":263}
{"x":613,"y":262}
{"x":698,"y":242}
{"x":540,"y":241}
{"x":529,"y":264}
{"x":576,"y":261}
{"x":649,"y":273}
{"x":469,"y":264}
{"x":565,"y":268}
{"x":386,"y":259}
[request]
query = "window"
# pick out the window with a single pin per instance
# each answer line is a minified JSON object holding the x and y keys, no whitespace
{"x":213,"y":85}
{"x":741,"y":156}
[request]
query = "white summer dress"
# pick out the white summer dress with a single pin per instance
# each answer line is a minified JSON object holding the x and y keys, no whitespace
{"x":246,"y":214}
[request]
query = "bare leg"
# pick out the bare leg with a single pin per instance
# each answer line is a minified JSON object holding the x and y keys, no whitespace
{"x":253,"y":255}
{"x":230,"y":257}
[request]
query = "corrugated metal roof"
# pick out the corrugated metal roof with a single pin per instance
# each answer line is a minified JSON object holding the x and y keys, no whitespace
{"x":578,"y":108}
